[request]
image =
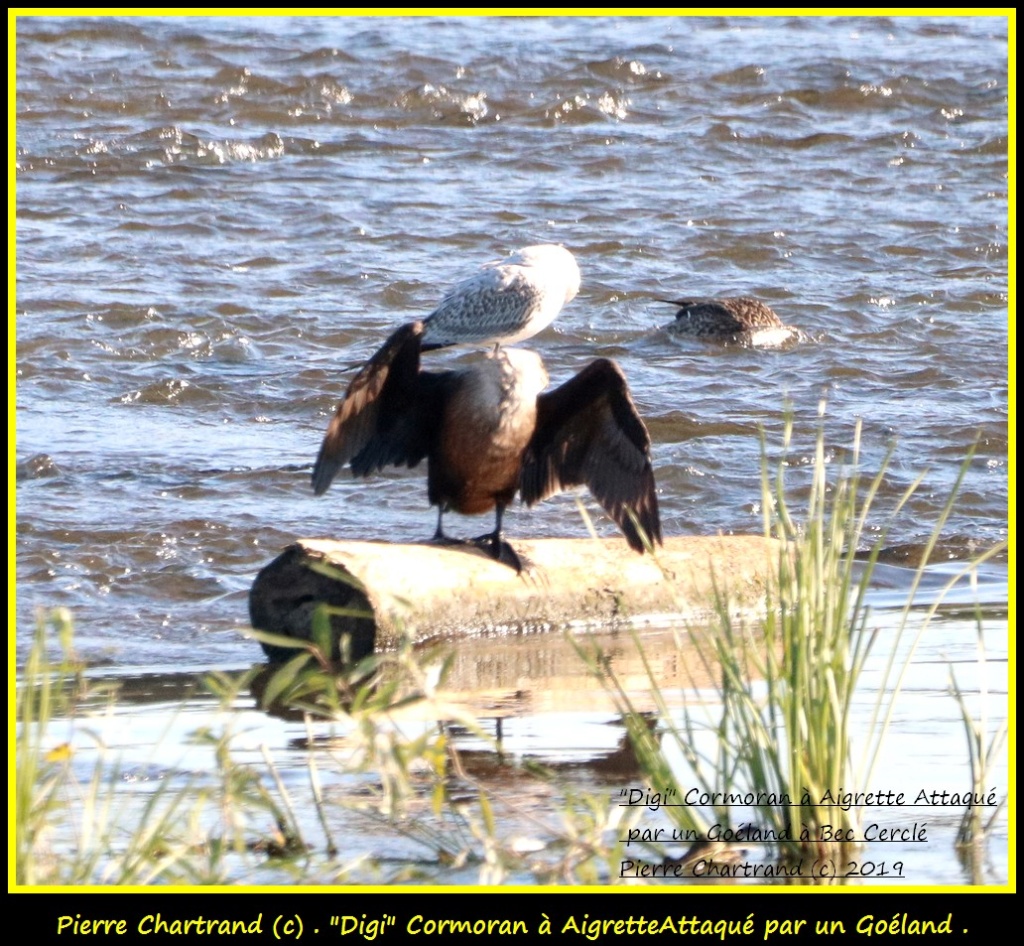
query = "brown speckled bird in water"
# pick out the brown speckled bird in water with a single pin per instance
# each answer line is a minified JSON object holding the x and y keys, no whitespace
{"x":488,"y":432}
{"x":742,"y":320}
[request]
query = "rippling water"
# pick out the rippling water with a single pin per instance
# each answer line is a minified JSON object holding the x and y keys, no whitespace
{"x":216,"y":216}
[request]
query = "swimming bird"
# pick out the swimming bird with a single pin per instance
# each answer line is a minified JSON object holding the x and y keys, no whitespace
{"x":506,"y":300}
{"x":743,"y":320}
{"x":487,"y":432}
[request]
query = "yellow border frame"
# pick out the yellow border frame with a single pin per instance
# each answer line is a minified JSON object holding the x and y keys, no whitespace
{"x":12,"y":16}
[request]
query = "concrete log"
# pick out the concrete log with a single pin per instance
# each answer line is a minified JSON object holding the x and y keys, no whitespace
{"x":378,"y":591}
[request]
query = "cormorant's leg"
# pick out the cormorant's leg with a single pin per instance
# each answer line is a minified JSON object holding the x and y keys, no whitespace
{"x":439,"y":537}
{"x":497,"y":539}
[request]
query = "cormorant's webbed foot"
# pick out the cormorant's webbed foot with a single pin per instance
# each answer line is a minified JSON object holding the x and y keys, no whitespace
{"x":495,"y":546}
{"x":447,"y":540}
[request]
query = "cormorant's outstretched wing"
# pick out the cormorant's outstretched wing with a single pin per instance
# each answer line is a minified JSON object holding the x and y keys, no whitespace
{"x":386,"y":416}
{"x":589,"y":433}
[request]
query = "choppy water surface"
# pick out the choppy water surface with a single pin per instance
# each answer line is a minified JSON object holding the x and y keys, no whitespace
{"x":216,"y":216}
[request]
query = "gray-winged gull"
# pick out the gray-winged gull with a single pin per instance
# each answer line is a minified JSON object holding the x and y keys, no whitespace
{"x":506,"y":300}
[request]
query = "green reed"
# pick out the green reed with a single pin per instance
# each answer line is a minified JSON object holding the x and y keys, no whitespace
{"x":786,"y":685}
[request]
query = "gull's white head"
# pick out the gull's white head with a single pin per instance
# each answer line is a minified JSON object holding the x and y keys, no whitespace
{"x":554,"y":264}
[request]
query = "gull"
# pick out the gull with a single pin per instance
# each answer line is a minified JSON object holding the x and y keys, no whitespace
{"x":505,"y":301}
